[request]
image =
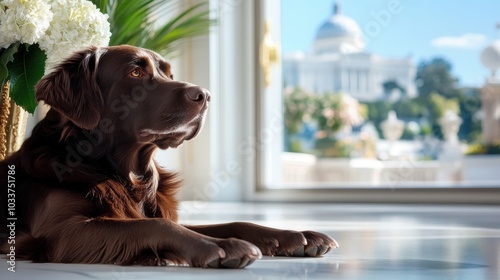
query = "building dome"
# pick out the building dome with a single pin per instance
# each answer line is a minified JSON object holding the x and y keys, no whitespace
{"x":339,"y":33}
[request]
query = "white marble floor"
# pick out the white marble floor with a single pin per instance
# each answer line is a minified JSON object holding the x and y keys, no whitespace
{"x":376,"y":242}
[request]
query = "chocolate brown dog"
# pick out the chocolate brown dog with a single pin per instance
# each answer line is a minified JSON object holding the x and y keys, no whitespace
{"x":88,"y":189}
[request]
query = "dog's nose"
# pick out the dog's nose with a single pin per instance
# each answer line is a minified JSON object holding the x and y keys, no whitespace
{"x":198,"y":94}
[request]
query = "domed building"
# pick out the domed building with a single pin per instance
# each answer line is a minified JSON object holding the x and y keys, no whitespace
{"x":339,"y":34}
{"x":337,"y":63}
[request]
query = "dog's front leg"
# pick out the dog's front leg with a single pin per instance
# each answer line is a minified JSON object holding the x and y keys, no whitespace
{"x":152,"y":241}
{"x":273,"y":241}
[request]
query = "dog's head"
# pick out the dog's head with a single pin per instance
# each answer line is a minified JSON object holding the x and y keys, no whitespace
{"x":128,"y":91}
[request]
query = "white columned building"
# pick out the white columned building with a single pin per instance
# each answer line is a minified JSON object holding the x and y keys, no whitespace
{"x":337,"y":63}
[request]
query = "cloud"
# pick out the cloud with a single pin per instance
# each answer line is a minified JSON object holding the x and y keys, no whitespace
{"x":465,"y":41}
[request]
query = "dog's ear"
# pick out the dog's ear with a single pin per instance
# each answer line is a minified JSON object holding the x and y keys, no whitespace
{"x":72,"y":90}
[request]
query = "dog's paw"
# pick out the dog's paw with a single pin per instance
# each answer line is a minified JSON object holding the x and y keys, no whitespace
{"x":223,"y":253}
{"x":298,"y":244}
{"x":318,"y":244}
{"x":238,"y":254}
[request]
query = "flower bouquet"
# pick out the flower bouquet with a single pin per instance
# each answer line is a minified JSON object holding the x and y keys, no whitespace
{"x":37,"y":34}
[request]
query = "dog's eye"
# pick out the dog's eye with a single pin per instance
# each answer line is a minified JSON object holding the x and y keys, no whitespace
{"x":136,"y":73}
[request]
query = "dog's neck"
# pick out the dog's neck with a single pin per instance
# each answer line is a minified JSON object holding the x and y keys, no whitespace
{"x":133,"y":161}
{"x":124,"y":157}
{"x":135,"y":164}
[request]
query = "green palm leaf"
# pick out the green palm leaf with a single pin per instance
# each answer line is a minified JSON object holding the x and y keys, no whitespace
{"x":136,"y":23}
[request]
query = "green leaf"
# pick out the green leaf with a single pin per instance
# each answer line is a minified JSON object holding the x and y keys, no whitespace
{"x":6,"y":56}
{"x":25,"y":71}
{"x":136,"y":23}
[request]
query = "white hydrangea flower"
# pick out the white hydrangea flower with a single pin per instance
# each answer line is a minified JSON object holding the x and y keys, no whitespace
{"x":23,"y":20}
{"x":5,"y":41}
{"x":76,"y":24}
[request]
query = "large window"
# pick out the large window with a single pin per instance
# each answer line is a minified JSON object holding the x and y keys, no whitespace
{"x":387,"y":93}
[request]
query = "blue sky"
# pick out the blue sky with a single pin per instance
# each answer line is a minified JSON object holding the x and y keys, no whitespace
{"x":455,"y":30}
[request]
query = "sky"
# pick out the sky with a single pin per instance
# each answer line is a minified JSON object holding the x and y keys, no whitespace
{"x":422,"y":29}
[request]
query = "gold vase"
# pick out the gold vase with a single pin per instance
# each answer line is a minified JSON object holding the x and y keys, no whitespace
{"x":12,"y":124}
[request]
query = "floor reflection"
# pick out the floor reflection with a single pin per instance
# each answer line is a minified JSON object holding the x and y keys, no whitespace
{"x":376,"y":242}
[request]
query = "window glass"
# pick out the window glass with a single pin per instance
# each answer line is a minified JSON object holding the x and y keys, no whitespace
{"x":390,"y":92}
